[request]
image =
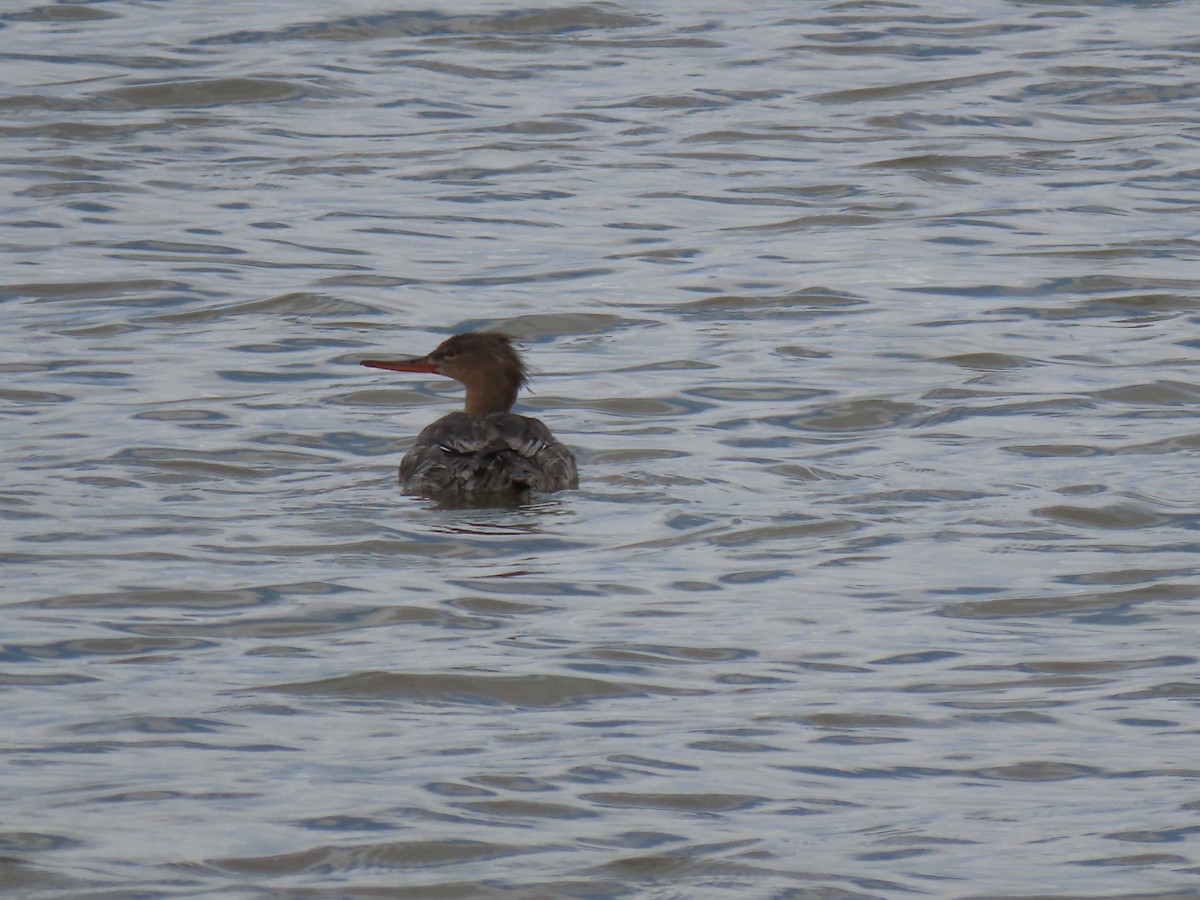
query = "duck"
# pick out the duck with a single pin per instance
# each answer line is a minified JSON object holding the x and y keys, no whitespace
{"x":486,"y":448}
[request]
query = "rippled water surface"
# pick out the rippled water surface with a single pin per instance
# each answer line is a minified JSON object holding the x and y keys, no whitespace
{"x":875,"y":329}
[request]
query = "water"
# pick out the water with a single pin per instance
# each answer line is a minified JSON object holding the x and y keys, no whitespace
{"x":873,"y":325}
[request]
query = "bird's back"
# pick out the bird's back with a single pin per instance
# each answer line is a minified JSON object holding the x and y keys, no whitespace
{"x":493,"y":454}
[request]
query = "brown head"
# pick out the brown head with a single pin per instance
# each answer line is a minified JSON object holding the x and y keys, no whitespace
{"x":485,"y":362}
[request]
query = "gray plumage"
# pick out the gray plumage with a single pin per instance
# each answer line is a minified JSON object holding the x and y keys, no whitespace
{"x":491,"y":454}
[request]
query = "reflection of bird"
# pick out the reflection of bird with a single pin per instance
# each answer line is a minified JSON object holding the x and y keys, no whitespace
{"x":486,"y":448}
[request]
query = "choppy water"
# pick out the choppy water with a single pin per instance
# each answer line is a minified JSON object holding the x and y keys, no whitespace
{"x":875,"y":329}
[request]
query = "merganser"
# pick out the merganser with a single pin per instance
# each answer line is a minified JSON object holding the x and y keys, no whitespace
{"x":486,"y":448}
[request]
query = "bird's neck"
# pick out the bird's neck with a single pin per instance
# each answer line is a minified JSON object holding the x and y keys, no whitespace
{"x":489,"y":396}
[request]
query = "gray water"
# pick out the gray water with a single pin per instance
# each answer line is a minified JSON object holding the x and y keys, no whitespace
{"x":874,"y":326}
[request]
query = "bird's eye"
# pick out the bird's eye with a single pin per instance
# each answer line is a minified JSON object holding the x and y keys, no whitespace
{"x":449,"y":354}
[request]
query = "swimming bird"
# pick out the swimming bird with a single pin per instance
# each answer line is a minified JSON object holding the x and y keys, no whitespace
{"x":486,"y":448}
